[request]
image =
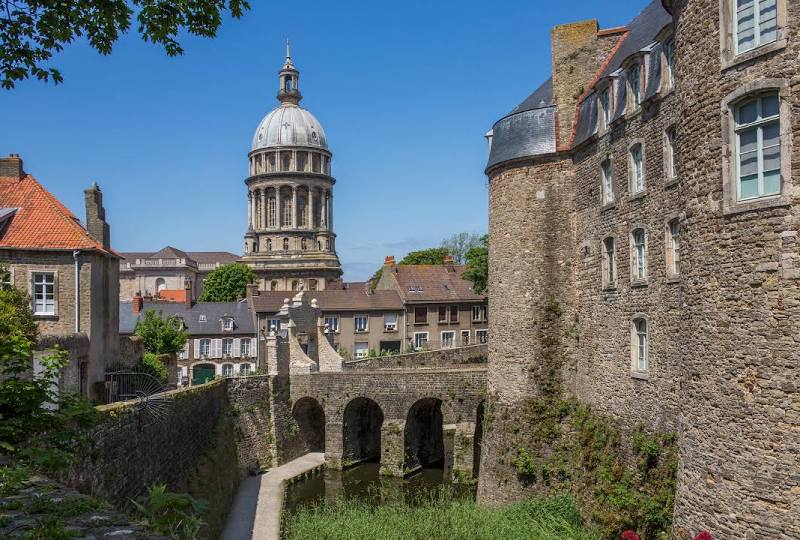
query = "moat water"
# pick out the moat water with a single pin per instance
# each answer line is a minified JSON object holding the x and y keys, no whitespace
{"x":364,"y":483}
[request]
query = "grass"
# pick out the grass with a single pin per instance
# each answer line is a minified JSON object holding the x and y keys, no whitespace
{"x":440,"y":518}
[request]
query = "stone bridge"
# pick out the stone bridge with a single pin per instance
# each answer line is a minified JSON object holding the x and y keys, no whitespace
{"x":399,"y":413}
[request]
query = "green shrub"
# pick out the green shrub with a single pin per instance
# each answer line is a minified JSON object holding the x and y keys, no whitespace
{"x":151,"y":365}
{"x":172,"y":514}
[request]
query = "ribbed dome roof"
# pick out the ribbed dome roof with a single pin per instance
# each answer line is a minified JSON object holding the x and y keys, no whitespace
{"x":289,"y":125}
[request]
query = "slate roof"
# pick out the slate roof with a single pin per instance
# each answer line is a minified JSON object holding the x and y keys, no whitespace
{"x":541,"y":97}
{"x":213,"y":311}
{"x":433,"y":283}
{"x":353,"y":298}
{"x":41,"y":221}
{"x":170,"y":252}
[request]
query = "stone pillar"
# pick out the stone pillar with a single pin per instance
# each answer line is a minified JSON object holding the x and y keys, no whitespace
{"x":250,"y":210}
{"x":262,"y":215}
{"x":278,"y":207}
{"x":323,"y":213}
{"x":334,"y":445}
{"x":392,"y":448}
{"x":310,"y":209}
{"x":294,"y":207}
{"x":463,"y":452}
{"x":330,"y":210}
{"x":270,"y":356}
{"x":448,"y":438}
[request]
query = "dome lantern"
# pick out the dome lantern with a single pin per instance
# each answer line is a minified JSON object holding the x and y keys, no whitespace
{"x":289,"y":78}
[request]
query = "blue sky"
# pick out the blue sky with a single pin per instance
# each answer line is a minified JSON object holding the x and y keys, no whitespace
{"x":405,"y":91}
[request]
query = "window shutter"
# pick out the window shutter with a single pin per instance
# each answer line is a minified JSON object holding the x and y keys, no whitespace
{"x":654,"y":71}
{"x":196,"y":353}
{"x":237,"y":348}
{"x":216,"y":345}
{"x":621,"y":101}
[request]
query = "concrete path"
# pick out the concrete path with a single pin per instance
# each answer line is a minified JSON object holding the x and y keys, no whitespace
{"x":256,"y":511}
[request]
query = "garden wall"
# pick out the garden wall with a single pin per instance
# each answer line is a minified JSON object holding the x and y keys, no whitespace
{"x":473,"y":354}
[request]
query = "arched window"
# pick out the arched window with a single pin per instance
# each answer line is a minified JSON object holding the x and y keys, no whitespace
{"x":269,"y":244}
{"x":302,"y":217}
{"x":328,"y":244}
{"x":161,"y":284}
{"x":303,"y":245}
{"x":638,"y":255}
{"x":272,"y":202}
{"x":286,"y":161}
{"x":640,"y":345}
{"x":607,"y":181}
{"x":312,"y":284}
{"x":609,"y":263}
{"x":287,"y":83}
{"x":636,"y":168}
{"x":315,"y":163}
{"x":273,"y":286}
{"x":285,"y":244}
{"x":295,"y":285}
{"x":286,"y":210}
{"x":255,"y":246}
{"x":271,"y":163}
{"x":672,"y":241}
{"x":302,"y":161}
{"x":319,"y":245}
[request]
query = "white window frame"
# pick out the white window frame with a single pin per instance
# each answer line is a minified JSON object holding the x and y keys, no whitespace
{"x":389,"y":326}
{"x":609,"y":262}
{"x":361,"y":328}
{"x":227,"y":324}
{"x":201,"y":318}
{"x":332,"y":322}
{"x":758,"y":126}
{"x":757,"y":35}
{"x":672,"y":242}
{"x":670,"y":163}
{"x":227,"y":343}
{"x":245,"y":348}
{"x":450,"y":341}
{"x":43,"y":307}
{"x":482,"y":336}
{"x":205,"y":348}
{"x":273,"y":325}
{"x":229,"y":368}
{"x":669,"y":63}
{"x":184,"y":354}
{"x":636,"y":168}
{"x":480,"y":310}
{"x":635,"y":88}
{"x":244,"y":369}
{"x":421,"y":340}
{"x":363,"y":353}
{"x":607,"y":181}
{"x":604,"y":99}
{"x":638,"y":255}
{"x":640,"y":345}
{"x":468,"y":340}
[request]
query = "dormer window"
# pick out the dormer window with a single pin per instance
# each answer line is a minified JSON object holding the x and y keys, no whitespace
{"x":635,"y":81}
{"x":201,"y":318}
{"x":227,"y":324}
{"x":605,"y":108}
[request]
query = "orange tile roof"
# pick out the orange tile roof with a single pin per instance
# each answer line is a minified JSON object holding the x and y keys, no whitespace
{"x":41,"y":221}
{"x":433,"y":283}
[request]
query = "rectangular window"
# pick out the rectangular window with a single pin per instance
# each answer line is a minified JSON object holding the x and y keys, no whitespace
{"x":605,"y":105}
{"x":361,"y":350}
{"x":44,"y":293}
{"x":673,"y":248}
{"x":637,"y":169}
{"x":244,"y":370}
{"x":758,"y":147}
{"x":756,"y":23}
{"x":227,"y":324}
{"x":205,"y":348}
{"x":638,"y":255}
{"x":608,"y":181}
{"x":609,"y":263}
{"x":420,"y":315}
{"x":184,"y":354}
{"x":272,"y":211}
{"x":669,"y":57}
{"x":465,"y":338}
{"x":227,"y":347}
{"x":635,"y":79}
{"x":482,"y":336}
{"x":448,"y":339}
{"x":390,"y":322}
{"x":227,"y":370}
{"x":332,"y":322}
{"x":442,"y":314}
{"x":286,"y":210}
{"x":361,"y":323}
{"x":245,"y":347}
{"x":670,"y":165}
{"x":420,"y":340}
{"x":478,"y":313}
{"x":274,"y":325}
{"x":640,"y":328}
{"x":453,"y":314}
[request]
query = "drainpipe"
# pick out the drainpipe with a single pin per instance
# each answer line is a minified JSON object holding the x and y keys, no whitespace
{"x":75,"y":255}
{"x":405,"y":330}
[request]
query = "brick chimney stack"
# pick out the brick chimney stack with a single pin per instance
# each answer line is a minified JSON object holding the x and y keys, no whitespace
{"x":187,"y":293}
{"x":138,"y":303}
{"x":11,"y":166}
{"x":96,"y":216}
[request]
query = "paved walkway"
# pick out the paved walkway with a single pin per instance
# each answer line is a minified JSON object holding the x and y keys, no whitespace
{"x":256,"y":511}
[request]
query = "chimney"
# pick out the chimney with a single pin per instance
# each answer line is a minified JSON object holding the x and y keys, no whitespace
{"x":96,"y":216}
{"x":11,"y":166}
{"x":187,"y":293}
{"x":251,"y":290}
{"x":448,"y":263}
{"x":138,"y":303}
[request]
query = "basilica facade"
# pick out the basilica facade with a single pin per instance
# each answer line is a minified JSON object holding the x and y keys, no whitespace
{"x":290,"y":243}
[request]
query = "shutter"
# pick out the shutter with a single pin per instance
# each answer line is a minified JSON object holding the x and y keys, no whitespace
{"x":237,"y":348}
{"x":653,"y":72}
{"x":587,"y":119}
{"x":216,"y":348}
{"x":196,"y":353}
{"x":620,"y":97}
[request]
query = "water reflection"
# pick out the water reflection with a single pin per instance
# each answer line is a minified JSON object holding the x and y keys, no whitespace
{"x":364,"y":483}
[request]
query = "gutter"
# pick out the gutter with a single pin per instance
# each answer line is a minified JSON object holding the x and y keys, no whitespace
{"x":75,"y":255}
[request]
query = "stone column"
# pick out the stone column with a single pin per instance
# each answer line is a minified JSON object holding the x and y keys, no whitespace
{"x":323,"y":214}
{"x":392,"y":448}
{"x":262,"y":215}
{"x":310,"y":209}
{"x":333,"y":443}
{"x":294,"y":207}
{"x":330,"y":210}
{"x":463,"y":452}
{"x":278,"y":207}
{"x":448,"y":438}
{"x":250,"y":210}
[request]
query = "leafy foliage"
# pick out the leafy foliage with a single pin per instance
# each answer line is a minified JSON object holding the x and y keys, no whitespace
{"x":227,"y":283}
{"x":160,"y":335}
{"x":33,"y":30}
{"x":426,"y":256}
{"x":460,"y":244}
{"x":477,"y":261}
{"x":152,"y":365}
{"x":175,"y":515}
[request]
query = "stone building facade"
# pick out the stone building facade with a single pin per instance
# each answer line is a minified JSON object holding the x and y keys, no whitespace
{"x":655,"y":193}
{"x":164,"y":273}
{"x":68,"y":269}
{"x":290,"y":242}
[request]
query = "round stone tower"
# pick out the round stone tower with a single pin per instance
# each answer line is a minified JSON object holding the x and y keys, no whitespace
{"x":290,"y":243}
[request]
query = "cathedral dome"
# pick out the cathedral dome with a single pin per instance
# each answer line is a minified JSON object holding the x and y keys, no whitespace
{"x":289,"y":125}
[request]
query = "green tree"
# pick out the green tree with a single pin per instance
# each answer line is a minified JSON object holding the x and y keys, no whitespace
{"x":227,"y":283}
{"x":31,"y":31}
{"x":426,"y":256}
{"x":477,"y":270}
{"x":459,"y":244}
{"x":160,"y":335}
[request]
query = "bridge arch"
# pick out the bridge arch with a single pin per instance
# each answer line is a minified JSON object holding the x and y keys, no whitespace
{"x":310,"y":418}
{"x":423,"y":435}
{"x":361,"y":431}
